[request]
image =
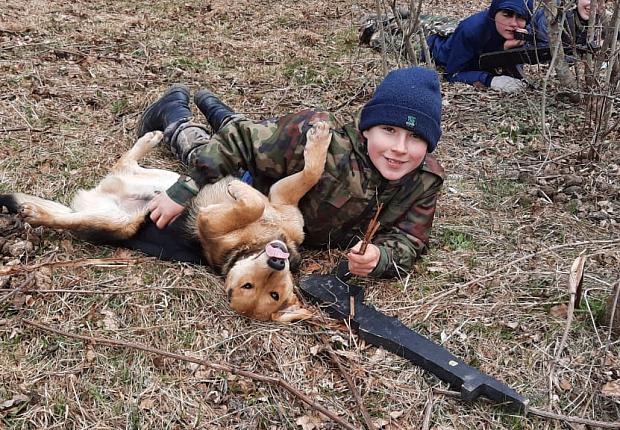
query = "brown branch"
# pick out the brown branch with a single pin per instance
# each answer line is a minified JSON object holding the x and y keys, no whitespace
{"x":575,"y":280}
{"x":356,"y":395}
{"x":224,"y":367}
{"x":20,"y":288}
{"x":110,"y":292}
{"x":546,"y":414}
{"x":12,"y":270}
{"x":534,"y":254}
{"x":29,"y":129}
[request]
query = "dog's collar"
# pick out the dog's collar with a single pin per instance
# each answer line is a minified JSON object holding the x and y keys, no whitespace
{"x":235,"y":255}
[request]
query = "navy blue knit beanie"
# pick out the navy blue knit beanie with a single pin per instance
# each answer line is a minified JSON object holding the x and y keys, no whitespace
{"x":410,"y":99}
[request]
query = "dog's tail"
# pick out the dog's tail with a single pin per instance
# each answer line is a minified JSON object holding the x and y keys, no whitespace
{"x":10,"y":202}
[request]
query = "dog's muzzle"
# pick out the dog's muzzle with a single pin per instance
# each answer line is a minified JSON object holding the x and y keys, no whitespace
{"x":278,"y":254}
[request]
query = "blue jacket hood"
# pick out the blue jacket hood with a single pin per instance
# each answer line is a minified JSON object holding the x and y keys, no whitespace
{"x":523,"y":8}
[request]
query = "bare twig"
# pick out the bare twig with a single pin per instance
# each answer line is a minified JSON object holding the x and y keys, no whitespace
{"x":224,"y":367}
{"x":12,"y":270}
{"x":372,"y":228}
{"x":534,"y":254}
{"x":20,"y":288}
{"x":356,"y":395}
{"x":575,"y":281}
{"x":612,"y":313}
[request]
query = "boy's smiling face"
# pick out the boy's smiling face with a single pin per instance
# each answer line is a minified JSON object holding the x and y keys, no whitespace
{"x":394,"y":151}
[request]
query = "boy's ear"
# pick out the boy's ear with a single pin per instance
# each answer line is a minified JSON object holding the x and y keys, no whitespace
{"x":364,"y":134}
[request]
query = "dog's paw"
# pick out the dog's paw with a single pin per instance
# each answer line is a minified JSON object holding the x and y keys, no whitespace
{"x":151,"y":139}
{"x":320,"y":132}
{"x":318,"y":140}
{"x":33,"y":214}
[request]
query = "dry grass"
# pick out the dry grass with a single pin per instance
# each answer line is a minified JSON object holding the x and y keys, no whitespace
{"x":76,"y":75}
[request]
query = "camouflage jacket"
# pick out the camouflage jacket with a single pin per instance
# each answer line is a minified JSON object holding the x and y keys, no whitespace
{"x":338,"y":209}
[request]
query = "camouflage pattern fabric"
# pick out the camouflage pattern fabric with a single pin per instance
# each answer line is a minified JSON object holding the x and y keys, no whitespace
{"x":338,"y":209}
{"x":370,"y":33}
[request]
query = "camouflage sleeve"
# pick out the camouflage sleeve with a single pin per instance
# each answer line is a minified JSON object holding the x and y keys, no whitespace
{"x":402,"y":244}
{"x":268,"y":150}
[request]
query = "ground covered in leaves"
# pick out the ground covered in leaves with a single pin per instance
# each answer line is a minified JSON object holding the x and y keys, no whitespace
{"x":517,"y":210}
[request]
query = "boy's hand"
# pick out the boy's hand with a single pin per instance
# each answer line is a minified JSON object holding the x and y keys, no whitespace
{"x":362,"y":265}
{"x":164,"y":210}
{"x":514,"y":43}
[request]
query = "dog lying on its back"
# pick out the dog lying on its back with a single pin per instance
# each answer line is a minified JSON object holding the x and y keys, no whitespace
{"x":250,"y":238}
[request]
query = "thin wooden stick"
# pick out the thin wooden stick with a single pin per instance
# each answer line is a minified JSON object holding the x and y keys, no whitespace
{"x":224,"y":367}
{"x":534,"y":254}
{"x":372,"y":228}
{"x":356,"y":395}
{"x":12,"y":270}
{"x":20,"y":288}
{"x":575,"y":280}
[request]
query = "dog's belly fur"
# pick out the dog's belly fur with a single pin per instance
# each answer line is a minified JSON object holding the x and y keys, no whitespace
{"x":283,"y":222}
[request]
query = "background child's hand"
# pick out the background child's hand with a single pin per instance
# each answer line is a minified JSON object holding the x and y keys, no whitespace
{"x":164,"y":210}
{"x":507,"y":84}
{"x":362,"y":265}
{"x":514,"y":43}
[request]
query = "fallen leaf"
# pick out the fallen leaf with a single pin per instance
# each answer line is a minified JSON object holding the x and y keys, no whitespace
{"x":565,"y":385}
{"x":559,"y":311}
{"x":109,"y":320}
{"x":396,"y":414}
{"x":29,"y":300}
{"x":15,"y":401}
{"x":611,"y":389}
{"x":67,"y":246}
{"x":43,"y":278}
{"x":147,"y":404}
{"x":380,"y":422}
{"x":312,"y":267}
{"x":305,"y":422}
{"x":90,"y":354}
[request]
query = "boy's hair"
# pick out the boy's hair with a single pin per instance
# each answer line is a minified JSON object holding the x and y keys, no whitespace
{"x":408,"y":98}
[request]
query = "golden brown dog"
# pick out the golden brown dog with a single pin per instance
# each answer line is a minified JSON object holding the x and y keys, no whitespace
{"x":252,"y":239}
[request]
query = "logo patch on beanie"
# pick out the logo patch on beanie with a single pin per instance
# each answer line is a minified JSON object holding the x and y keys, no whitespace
{"x":410,"y":121}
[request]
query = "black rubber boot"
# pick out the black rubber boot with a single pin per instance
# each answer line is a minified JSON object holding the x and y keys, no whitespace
{"x":171,"y":108}
{"x":215,"y":111}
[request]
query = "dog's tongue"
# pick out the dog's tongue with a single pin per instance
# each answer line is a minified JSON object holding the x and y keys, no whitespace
{"x":272,"y":251}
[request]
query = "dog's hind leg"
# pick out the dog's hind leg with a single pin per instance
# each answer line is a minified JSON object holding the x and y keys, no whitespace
{"x":105,"y":224}
{"x":290,"y":190}
{"x":129,"y":160}
{"x":14,"y":203}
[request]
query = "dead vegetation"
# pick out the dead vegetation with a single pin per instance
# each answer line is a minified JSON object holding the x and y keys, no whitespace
{"x":516,"y":211}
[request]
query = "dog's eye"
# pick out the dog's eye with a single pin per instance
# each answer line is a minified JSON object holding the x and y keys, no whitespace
{"x":275,"y":296}
{"x":247,"y":286}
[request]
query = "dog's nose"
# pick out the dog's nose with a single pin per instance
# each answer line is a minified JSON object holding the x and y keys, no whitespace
{"x":276,"y":263}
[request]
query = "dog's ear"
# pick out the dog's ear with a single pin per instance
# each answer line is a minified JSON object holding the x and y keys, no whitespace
{"x":290,"y":312}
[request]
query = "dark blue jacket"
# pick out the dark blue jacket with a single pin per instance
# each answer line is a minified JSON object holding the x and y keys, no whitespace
{"x":459,"y":53}
{"x":575,"y":28}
